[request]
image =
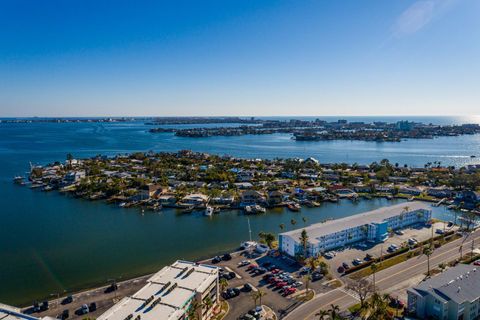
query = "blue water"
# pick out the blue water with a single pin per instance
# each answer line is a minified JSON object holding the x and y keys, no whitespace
{"x":51,"y":243}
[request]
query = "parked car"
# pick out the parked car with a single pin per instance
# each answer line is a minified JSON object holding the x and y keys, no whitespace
{"x":316,"y":276}
{"x":399,"y":232}
{"x":67,"y":300}
{"x":44,"y":306}
{"x":92,"y":307}
{"x":248,"y":317}
{"x":65,"y":314}
{"x":227,"y":257}
{"x":84,"y":309}
{"x":439,"y":231}
{"x":243,"y":263}
{"x":252,"y":266}
{"x":341,"y":269}
{"x":477,"y":263}
{"x":231,"y":293}
{"x":345,"y":266}
{"x":280,"y":284}
{"x":216,"y":259}
{"x":275,"y":271}
{"x":368,"y":257}
{"x":289,"y":291}
{"x":412,"y":241}
{"x":450,"y":224}
{"x":247,"y":287}
{"x":356,"y":262}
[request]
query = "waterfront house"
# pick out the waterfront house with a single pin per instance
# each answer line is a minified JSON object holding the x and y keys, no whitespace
{"x":276,"y":197}
{"x":468,"y":199}
{"x":195,"y":199}
{"x":149,"y":191}
{"x":251,"y":197}
{"x":410,"y":190}
{"x":451,"y":295}
{"x":440,"y":192}
{"x":371,"y":226}
{"x":167,"y":199}
{"x":74,"y":176}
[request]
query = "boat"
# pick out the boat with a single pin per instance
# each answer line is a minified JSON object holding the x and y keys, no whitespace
{"x":259,"y":209}
{"x":48,"y":188}
{"x":473,"y":156}
{"x":209,"y":211}
{"x":248,"y":209}
{"x":19,"y":180}
{"x":294,"y":207}
{"x":122,"y":204}
{"x":188,"y":209}
{"x":315,"y":203}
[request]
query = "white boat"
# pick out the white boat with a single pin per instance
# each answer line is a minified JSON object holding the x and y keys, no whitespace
{"x":209,"y":211}
{"x":248,"y":210}
{"x":259,"y":209}
{"x":123,"y":204}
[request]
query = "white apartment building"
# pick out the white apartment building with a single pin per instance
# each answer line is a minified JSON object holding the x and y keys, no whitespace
{"x":170,"y":294}
{"x":370,"y":226}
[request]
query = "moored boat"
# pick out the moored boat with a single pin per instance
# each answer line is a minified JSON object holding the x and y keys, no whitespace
{"x":209,"y":211}
{"x":293,"y":207}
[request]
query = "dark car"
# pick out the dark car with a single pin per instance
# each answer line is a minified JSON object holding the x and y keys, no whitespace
{"x":316,"y":276}
{"x":65,"y":314}
{"x":216,"y":259}
{"x":247,"y":287}
{"x":341,"y":269}
{"x":44,"y":306}
{"x":345,"y":266}
{"x":226,"y":257}
{"x":111,"y":288}
{"x":67,"y":300}
{"x":36,"y":307}
{"x":93,"y":306}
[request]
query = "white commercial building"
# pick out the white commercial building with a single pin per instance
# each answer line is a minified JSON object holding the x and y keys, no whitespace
{"x":171,"y":294}
{"x":370,"y":226}
{"x":452,"y":295}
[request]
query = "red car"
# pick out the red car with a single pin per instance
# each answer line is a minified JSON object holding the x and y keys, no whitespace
{"x":477,"y":263}
{"x":251,"y":266}
{"x":273,"y":280}
{"x":290,"y":290}
{"x":281,"y":284}
{"x":275,"y":271}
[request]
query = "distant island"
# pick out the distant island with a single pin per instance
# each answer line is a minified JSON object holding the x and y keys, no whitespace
{"x":317,"y":130}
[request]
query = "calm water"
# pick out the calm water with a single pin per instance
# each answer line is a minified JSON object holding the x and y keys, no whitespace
{"x":50,"y":243}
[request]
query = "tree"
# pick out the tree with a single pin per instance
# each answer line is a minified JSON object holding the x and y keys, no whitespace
{"x":307,"y":278}
{"x":69,"y":159}
{"x":428,"y":252}
{"x":193,"y":310}
{"x":304,"y":241}
{"x":293,"y":222}
{"x":363,"y":288}
{"x":208,"y":303}
{"x":378,"y":307}
{"x":257,"y":296}
{"x":282,"y":226}
{"x":223,"y":284}
{"x":267,"y":237}
{"x":321,"y":314}
{"x":334,"y":311}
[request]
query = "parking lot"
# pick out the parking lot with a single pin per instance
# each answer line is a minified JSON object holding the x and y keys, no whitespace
{"x":275,"y":298}
{"x":360,"y":250}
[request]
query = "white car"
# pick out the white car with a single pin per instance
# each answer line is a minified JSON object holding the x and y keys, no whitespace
{"x":244,"y":263}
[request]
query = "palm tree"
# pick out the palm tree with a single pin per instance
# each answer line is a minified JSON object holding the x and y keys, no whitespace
{"x":307,"y":278}
{"x":334,"y":311}
{"x":261,"y":294}
{"x":254,"y":297}
{"x":378,"y":307}
{"x":428,"y":252}
{"x":208,"y":303}
{"x":282,"y":226}
{"x":374,"y":268}
{"x":304,"y":220}
{"x":321,"y":314}
{"x":192,"y":312}
{"x":293,"y":222}
{"x":223,"y":284}
{"x":304,"y":241}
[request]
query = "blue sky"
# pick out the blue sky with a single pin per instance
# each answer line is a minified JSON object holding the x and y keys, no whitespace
{"x":245,"y":57}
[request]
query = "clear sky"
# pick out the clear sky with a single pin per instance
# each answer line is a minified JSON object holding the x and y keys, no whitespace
{"x":245,"y":57}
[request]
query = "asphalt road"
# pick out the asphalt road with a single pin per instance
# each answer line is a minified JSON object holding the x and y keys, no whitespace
{"x":387,"y":278}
